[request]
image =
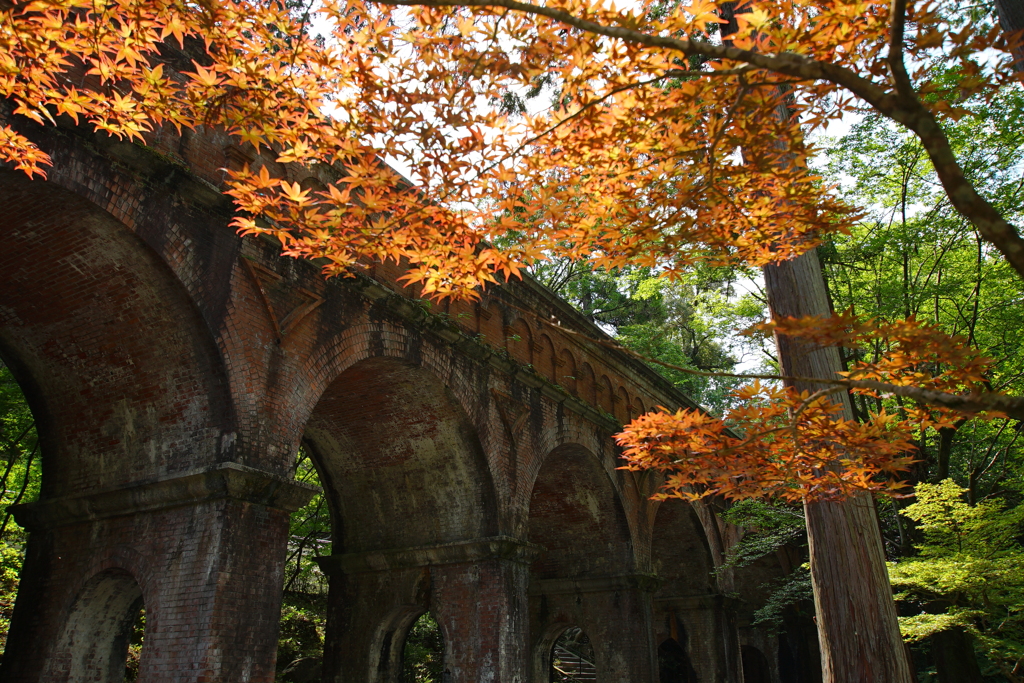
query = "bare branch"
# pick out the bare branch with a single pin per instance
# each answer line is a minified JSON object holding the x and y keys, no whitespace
{"x":897,"y":22}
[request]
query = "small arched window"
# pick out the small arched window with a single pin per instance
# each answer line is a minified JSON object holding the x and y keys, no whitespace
{"x":423,"y":652}
{"x":572,"y":657}
{"x":103,"y":638}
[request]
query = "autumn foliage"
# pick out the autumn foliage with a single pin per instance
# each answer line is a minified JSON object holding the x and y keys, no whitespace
{"x":787,"y":444}
{"x":663,"y":146}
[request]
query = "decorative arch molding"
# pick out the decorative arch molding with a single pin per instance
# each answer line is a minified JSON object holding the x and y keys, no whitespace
{"x":364,"y":340}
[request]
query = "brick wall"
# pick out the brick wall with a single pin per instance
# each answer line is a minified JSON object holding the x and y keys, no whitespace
{"x":465,"y":448}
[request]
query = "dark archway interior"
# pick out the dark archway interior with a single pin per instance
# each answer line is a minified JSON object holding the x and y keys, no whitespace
{"x":679,"y":551}
{"x":399,"y":460}
{"x":755,"y":665}
{"x":674,"y":664}
{"x":576,"y":515}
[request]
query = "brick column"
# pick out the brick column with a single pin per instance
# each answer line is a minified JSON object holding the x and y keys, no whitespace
{"x":477,"y":590}
{"x":614,"y":612}
{"x":205,"y":550}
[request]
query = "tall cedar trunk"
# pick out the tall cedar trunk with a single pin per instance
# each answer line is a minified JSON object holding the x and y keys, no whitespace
{"x":955,"y":661}
{"x":857,"y":628}
{"x":1011,"y":20}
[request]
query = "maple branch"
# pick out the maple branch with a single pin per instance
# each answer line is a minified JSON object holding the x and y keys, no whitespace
{"x":720,"y":133}
{"x":902,"y":106}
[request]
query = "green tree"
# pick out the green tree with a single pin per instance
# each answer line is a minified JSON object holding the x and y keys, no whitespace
{"x":19,"y":483}
{"x":966,"y":579}
{"x":304,"y":602}
{"x":692,"y":321}
{"x":914,"y":255}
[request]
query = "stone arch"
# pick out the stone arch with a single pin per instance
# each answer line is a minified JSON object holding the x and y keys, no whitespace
{"x":393,"y":444}
{"x":411,"y":496}
{"x":585,"y":574}
{"x":566,"y":368}
{"x":680,"y":554}
{"x":572,"y":657}
{"x":542,"y":646}
{"x":429,"y":650}
{"x":118,"y":365}
{"x":519,"y":341}
{"x":365,"y":340}
{"x":94,"y":644}
{"x":576,"y":514}
{"x":389,"y":642}
{"x":683,"y":604}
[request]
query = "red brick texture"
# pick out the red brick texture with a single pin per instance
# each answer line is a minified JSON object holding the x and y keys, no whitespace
{"x":465,"y":450}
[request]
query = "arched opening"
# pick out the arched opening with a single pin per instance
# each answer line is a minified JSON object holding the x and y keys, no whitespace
{"x":572,"y":657}
{"x":674,"y":664}
{"x":405,"y":480}
{"x":124,"y":382}
{"x":576,"y":516}
{"x":423,"y":652}
{"x":582,"y":575}
{"x":682,"y":561}
{"x":122,"y":373}
{"x":304,"y":602}
{"x":399,"y":460}
{"x":20,"y":476}
{"x":680,"y":555}
{"x":755,"y":665}
{"x":104,"y":636}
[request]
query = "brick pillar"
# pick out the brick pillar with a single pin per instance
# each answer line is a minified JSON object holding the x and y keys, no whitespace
{"x":205,"y":551}
{"x":477,"y":590}
{"x":614,"y":612}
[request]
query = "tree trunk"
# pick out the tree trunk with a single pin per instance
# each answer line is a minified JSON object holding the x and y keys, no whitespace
{"x":1011,"y":19}
{"x":857,"y":628}
{"x":955,"y":661}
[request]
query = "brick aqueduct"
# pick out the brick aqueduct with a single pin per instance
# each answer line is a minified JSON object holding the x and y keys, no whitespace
{"x":174,"y":368}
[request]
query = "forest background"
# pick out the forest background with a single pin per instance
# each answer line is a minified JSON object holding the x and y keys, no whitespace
{"x":955,"y":545}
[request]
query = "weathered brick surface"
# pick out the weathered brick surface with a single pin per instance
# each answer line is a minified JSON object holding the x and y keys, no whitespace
{"x":174,"y":369}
